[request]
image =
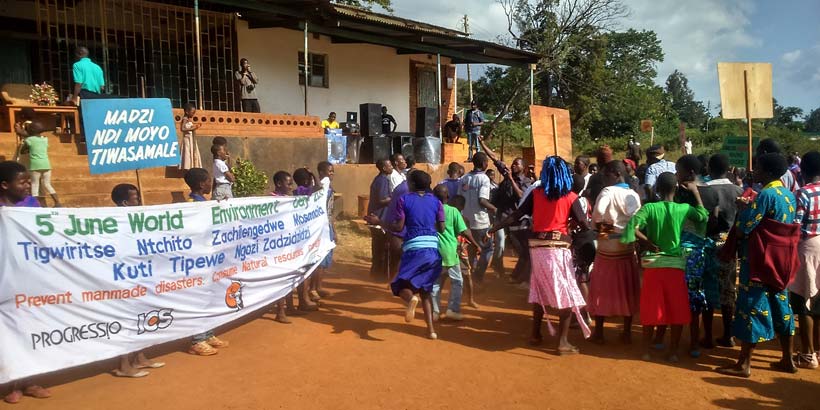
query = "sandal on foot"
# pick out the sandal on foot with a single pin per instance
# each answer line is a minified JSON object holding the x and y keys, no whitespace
{"x":734,"y":371}
{"x":137,"y":375}
{"x":152,"y":365}
{"x":432,"y":336}
{"x":410,"y":313}
{"x":282,"y":319}
{"x":14,"y":397}
{"x":38,"y":392}
{"x":314,"y":296}
{"x":782,"y":367}
{"x":568,"y":351}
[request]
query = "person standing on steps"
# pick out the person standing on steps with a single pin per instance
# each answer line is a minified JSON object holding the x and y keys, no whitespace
{"x":389,"y":124}
{"x":248,"y":81}
{"x":88,"y":77}
{"x":473,"y":120}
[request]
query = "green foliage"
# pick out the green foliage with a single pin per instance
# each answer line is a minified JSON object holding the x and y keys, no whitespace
{"x":249,"y":181}
{"x":784,"y":116}
{"x":812,"y":123}
{"x":367,"y":4}
{"x":683,"y":101}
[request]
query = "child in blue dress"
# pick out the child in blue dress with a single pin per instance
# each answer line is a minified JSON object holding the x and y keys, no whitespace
{"x":422,"y":214}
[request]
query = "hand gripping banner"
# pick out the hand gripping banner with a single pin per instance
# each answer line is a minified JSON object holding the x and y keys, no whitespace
{"x":87,"y":284}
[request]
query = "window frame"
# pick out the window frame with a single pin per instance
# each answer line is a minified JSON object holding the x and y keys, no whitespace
{"x":325,"y":81}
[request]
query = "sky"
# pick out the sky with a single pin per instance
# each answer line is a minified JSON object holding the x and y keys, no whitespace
{"x":695,"y":35}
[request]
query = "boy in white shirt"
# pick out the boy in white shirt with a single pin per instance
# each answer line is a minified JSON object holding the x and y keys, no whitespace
{"x":223,"y":177}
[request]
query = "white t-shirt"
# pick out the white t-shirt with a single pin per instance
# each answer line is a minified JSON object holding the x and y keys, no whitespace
{"x":220,"y":168}
{"x":396,"y":178}
{"x":474,"y":186}
{"x":325,"y":183}
{"x":615,"y":206}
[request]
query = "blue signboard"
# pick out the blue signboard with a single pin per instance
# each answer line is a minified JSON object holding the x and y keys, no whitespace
{"x":129,"y":133}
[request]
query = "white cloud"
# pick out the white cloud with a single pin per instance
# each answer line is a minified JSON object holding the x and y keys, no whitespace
{"x":791,"y":56}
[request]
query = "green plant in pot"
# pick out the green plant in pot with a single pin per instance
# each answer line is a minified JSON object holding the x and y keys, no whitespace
{"x":249,"y":180}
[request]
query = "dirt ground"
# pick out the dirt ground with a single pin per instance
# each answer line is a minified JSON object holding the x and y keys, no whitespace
{"x":357,"y":353}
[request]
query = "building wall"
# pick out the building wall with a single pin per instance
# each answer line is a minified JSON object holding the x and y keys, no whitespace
{"x":358,"y":73}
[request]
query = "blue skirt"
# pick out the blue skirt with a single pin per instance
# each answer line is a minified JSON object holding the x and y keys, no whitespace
{"x":419,"y":269}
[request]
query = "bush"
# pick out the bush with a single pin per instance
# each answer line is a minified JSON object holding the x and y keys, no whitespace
{"x":249,"y":181}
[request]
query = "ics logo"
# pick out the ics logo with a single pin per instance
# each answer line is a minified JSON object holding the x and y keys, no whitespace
{"x":233,"y":295}
{"x":154,"y":320}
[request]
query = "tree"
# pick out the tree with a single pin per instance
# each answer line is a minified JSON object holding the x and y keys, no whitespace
{"x":812,"y":123}
{"x":683,"y":100}
{"x":368,"y":4}
{"x":784,"y":116}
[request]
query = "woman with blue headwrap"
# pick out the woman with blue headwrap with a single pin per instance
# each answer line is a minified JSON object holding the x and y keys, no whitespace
{"x":551,"y":206}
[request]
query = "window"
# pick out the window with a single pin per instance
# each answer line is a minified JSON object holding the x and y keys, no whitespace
{"x":317,"y":70}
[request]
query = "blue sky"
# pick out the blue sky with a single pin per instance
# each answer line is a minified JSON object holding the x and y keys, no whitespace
{"x":695,"y":34}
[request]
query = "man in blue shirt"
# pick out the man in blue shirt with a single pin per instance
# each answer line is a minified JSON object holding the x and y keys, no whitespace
{"x":473,"y":120}
{"x":88,"y":77}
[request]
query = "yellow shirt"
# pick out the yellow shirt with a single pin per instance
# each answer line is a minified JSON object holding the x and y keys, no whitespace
{"x":328,"y":124}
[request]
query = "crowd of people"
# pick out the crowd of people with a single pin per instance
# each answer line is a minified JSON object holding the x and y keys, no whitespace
{"x":668,"y":242}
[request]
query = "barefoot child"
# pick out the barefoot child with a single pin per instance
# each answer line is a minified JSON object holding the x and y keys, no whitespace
{"x":203,"y":344}
{"x":15,"y":186}
{"x":133,"y":364}
{"x":283,"y":185}
{"x":658,"y":225}
{"x":616,"y":284}
{"x":36,"y":144}
{"x":454,"y":226}
{"x":458,"y":202}
{"x":188,"y":149}
{"x":552,"y":281}
{"x":423,"y":216}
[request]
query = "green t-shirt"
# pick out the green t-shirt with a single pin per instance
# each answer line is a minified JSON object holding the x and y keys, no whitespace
{"x":89,"y":74}
{"x":38,"y":153}
{"x":448,"y":240}
{"x":662,"y":222}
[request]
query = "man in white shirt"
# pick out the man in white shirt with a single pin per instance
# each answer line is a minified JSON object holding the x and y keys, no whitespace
{"x":687,"y":146}
{"x":657,"y":166}
{"x":475,"y":187}
{"x":398,"y":175}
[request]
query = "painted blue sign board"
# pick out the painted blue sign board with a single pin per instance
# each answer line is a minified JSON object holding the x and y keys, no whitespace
{"x":129,"y":133}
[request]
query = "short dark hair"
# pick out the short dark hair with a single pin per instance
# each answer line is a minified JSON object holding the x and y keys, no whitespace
{"x":121,"y":192}
{"x":219,"y":141}
{"x":773,"y":164}
{"x":616,"y":167}
{"x":81,"y":51}
{"x":810,"y":165}
{"x":768,"y":146}
{"x":395,"y":156}
{"x":188,"y":106}
{"x":583,"y":158}
{"x":480,"y":159}
{"x":578,"y":183}
{"x":243,"y":61}
{"x":718,"y":164}
{"x":36,"y":128}
{"x":453,"y":168}
{"x":419,"y":181}
{"x":196,"y":176}
{"x":458,"y":201}
{"x":9,"y":170}
{"x":410,"y":161}
{"x":691,"y":163}
{"x":666,"y":184}
{"x":301,"y":176}
{"x":442,"y":193}
{"x":280,"y":176}
{"x":323,"y":166}
{"x":380,"y":163}
{"x":215,"y":149}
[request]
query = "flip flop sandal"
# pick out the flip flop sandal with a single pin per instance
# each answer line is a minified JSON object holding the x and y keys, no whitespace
{"x":153,"y":365}
{"x":410,"y":313}
{"x":38,"y":392}
{"x":432,"y":336}
{"x":137,"y":375}
{"x":732,"y":371}
{"x":782,"y":368}
{"x":568,"y":352}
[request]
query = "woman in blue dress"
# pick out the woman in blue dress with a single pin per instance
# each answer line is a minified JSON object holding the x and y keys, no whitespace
{"x":422,"y":215}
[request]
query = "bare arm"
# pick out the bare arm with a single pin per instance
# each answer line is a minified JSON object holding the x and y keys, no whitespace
{"x":229,"y":176}
{"x":469,"y":235}
{"x":487,"y":205}
{"x":487,"y":149}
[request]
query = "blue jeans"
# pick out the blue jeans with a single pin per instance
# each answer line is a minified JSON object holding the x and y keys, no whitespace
{"x":456,"y":284}
{"x":202,"y":337}
{"x":480,"y":265}
{"x":472,"y":139}
{"x":499,"y":243}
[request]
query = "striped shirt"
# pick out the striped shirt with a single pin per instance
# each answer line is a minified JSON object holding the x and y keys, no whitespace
{"x":808,"y":210}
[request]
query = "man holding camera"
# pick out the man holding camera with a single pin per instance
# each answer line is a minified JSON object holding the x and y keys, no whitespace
{"x":247,"y":82}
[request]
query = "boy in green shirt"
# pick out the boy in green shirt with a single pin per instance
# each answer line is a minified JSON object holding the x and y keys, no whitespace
{"x":448,"y":247}
{"x":664,"y":295}
{"x":36,"y":145}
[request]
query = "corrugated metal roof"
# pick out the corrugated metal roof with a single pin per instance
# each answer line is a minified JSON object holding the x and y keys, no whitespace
{"x":399,"y":22}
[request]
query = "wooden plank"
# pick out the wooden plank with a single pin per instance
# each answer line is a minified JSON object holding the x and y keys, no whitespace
{"x":733,"y":92}
{"x":543,"y":137}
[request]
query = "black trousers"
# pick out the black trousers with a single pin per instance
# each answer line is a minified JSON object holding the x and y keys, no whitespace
{"x":251,"y":106}
{"x":379,"y":248}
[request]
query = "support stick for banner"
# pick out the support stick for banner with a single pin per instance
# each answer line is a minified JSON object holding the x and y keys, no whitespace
{"x":199,"y":82}
{"x":555,"y":133}
{"x":139,"y":187}
{"x":748,"y":115}
{"x":652,"y":136}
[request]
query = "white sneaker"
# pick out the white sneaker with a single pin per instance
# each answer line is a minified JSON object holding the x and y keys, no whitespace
{"x":454,"y":315}
{"x":807,"y":361}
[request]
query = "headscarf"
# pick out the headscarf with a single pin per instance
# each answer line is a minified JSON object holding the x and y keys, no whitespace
{"x":604,"y":155}
{"x":556,"y":178}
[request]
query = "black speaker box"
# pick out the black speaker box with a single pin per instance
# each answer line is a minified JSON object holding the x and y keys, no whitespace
{"x":426,"y":122}
{"x":375,"y":148}
{"x":371,"y":119}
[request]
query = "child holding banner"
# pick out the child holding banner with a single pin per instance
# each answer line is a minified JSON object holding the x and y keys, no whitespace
{"x":203,"y":344}
{"x":423,"y":216}
{"x":282,"y":183}
{"x":15,"y":186}
{"x":188,"y":148}
{"x":133,"y":364}
{"x":325,"y":177}
{"x":36,"y":145}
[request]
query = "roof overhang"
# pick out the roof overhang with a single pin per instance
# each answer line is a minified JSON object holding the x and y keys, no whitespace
{"x":345,"y":24}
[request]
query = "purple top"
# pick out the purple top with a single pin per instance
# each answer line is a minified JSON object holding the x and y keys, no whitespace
{"x":29,"y":202}
{"x":303,"y":190}
{"x":420,"y":214}
{"x":379,"y":189}
{"x":392,"y":212}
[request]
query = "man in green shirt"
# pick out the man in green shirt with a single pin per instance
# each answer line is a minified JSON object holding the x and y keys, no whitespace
{"x":664,"y":296}
{"x":88,"y":77}
{"x":454,"y":226}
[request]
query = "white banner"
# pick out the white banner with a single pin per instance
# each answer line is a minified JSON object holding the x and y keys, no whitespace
{"x":87,"y":284}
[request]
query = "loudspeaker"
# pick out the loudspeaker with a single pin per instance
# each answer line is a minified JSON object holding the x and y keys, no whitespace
{"x":426,"y":118}
{"x":352,"y":117}
{"x":427,"y":150}
{"x":371,"y":116}
{"x":375,"y":148}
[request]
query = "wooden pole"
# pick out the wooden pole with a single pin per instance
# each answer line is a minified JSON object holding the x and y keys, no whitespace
{"x":555,"y":133}
{"x":307,"y":69}
{"x":652,"y":136}
{"x":748,"y":115}
{"x":137,"y":171}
